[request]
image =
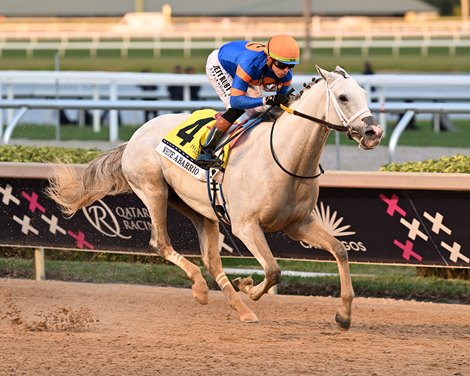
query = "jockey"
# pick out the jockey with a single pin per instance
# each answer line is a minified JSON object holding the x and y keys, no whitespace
{"x":239,"y":71}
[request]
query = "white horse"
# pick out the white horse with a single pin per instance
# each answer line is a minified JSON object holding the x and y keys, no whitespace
{"x":261,"y":195}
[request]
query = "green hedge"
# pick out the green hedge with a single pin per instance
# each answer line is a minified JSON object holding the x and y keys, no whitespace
{"x":43,"y":154}
{"x":20,"y":153}
{"x":458,"y":163}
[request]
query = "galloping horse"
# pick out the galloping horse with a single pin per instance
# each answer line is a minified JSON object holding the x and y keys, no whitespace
{"x":261,"y":195}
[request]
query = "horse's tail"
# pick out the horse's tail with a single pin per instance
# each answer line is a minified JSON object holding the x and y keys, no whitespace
{"x":103,"y":176}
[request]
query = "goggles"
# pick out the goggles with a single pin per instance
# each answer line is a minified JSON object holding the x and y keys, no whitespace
{"x":283,"y":65}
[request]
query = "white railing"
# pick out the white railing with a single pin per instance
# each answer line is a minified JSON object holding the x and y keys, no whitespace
{"x":190,"y":42}
{"x":389,"y":93}
{"x":336,"y":34}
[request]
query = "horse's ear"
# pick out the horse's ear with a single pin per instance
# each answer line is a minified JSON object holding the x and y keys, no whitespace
{"x":341,"y":71}
{"x":321,"y":71}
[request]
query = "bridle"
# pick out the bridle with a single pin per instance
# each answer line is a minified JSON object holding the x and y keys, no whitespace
{"x":330,"y":97}
{"x":344,"y":127}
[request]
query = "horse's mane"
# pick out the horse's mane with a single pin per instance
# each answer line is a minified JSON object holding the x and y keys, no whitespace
{"x":276,"y":112}
{"x":307,"y":86}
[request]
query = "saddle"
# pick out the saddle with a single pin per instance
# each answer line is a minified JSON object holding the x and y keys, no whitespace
{"x":182,"y":144}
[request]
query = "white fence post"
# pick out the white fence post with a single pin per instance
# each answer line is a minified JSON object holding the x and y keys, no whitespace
{"x":39,"y":265}
{"x":96,"y":113}
{"x":113,"y":114}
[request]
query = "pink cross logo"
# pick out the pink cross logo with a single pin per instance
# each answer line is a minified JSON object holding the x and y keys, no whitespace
{"x":33,"y":202}
{"x":392,"y":205}
{"x":80,"y":238}
{"x":407,"y":250}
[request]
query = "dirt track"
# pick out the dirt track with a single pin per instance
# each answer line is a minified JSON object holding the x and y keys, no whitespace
{"x":60,"y":328}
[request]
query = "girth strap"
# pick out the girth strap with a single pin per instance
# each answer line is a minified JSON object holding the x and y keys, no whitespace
{"x":220,"y":210}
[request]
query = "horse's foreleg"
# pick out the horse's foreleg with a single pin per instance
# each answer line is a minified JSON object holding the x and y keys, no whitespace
{"x":208,"y":234}
{"x":314,"y":234}
{"x":253,"y":237}
{"x":156,"y":199}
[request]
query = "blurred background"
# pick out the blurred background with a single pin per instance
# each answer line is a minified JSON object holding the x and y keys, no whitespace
{"x":400,"y":51}
{"x":133,"y":35}
{"x":404,"y":52}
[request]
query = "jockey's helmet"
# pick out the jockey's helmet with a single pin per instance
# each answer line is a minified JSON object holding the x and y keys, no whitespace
{"x":283,"y":48}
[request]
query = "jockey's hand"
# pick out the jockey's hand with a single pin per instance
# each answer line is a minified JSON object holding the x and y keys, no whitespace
{"x":277,"y":100}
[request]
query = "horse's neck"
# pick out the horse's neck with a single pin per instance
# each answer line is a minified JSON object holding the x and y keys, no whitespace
{"x":300,"y":141}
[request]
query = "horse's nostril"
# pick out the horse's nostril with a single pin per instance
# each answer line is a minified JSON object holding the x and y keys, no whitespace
{"x":373,"y":132}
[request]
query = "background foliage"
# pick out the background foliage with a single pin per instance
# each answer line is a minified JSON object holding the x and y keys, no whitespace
{"x":457,"y":164}
{"x":446,"y":7}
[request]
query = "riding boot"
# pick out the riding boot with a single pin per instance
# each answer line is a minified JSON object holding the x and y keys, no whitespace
{"x":206,"y":159}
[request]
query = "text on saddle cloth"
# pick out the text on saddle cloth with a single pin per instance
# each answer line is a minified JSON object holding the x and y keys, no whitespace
{"x":183,"y":143}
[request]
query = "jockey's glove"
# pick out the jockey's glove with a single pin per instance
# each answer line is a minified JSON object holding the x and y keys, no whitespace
{"x":277,"y":100}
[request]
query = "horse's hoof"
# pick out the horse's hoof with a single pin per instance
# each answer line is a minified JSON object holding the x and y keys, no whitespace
{"x":243,"y":283}
{"x":201,"y":294}
{"x":249,"y":318}
{"x":236,"y":282}
{"x":343,"y":324}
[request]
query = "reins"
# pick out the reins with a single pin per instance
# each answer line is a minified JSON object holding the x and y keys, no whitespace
{"x":336,"y":127}
{"x":345,"y":127}
{"x":252,"y":122}
{"x":273,"y":153}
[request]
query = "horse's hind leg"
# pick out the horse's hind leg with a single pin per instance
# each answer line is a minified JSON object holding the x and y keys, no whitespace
{"x":314,"y":234}
{"x":208,"y":233}
{"x":155,"y":198}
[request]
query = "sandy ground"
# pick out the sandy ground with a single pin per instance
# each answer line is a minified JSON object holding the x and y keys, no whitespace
{"x":63,"y":328}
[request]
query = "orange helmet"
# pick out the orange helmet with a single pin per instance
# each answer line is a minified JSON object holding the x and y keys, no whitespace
{"x":283,"y":48}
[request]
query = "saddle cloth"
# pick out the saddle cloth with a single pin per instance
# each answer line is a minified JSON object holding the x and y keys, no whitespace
{"x":183,"y":143}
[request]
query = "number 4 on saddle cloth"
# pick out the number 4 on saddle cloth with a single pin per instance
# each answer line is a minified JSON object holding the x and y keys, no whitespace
{"x":183,"y":143}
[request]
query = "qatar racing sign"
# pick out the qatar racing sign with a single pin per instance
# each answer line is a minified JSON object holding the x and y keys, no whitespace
{"x":411,"y":227}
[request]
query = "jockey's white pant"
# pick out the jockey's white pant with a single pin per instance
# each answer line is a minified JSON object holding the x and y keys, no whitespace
{"x":221,"y":81}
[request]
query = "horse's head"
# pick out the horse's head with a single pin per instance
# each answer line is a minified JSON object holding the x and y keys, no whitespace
{"x":346,"y":104}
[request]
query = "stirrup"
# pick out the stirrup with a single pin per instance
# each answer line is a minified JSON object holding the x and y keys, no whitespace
{"x":207,"y":160}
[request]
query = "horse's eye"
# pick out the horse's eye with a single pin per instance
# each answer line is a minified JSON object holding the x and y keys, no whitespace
{"x":343,"y":98}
